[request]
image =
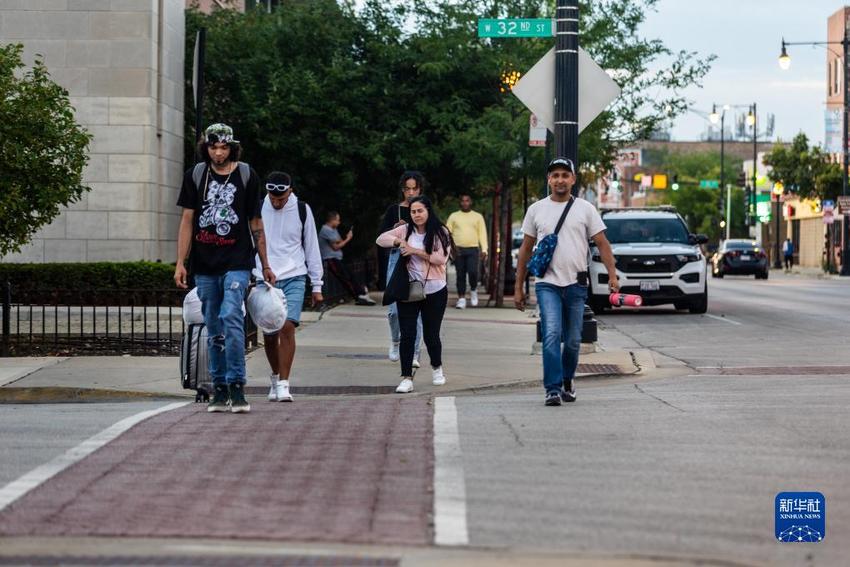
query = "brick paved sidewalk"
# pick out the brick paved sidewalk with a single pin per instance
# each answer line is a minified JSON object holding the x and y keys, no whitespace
{"x":348,"y":471}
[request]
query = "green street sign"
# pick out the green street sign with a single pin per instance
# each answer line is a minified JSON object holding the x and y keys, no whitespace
{"x":709,"y":184}
{"x":516,"y":27}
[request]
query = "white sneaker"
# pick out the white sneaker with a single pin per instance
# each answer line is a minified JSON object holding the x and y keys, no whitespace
{"x":473,"y":298}
{"x":405,"y":386}
{"x":394,"y":352}
{"x":274,"y":379}
{"x":461,"y":303}
{"x":437,"y":377}
{"x":282,"y":390}
{"x":416,"y":363}
{"x":364,"y":299}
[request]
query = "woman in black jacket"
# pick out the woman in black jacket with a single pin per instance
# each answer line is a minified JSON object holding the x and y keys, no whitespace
{"x":411,"y":184}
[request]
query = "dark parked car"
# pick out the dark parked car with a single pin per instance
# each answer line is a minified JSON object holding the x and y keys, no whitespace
{"x":740,"y":257}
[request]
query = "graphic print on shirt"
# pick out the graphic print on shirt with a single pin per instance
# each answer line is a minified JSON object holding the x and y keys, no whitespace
{"x":217,"y":209}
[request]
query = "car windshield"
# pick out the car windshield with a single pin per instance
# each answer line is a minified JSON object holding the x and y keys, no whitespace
{"x":740,"y":245}
{"x":646,"y":230}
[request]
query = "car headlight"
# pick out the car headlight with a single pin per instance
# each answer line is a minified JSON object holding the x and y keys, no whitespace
{"x":686,"y":258}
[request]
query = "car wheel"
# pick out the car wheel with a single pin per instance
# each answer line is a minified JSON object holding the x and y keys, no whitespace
{"x":700,"y":303}
{"x":761,"y":276}
{"x":719,"y":274}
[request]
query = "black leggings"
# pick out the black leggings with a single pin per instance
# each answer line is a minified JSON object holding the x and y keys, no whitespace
{"x":432,"y":309}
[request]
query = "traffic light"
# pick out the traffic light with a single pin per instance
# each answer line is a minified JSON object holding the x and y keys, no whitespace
{"x":747,"y":211}
{"x":675,"y":185}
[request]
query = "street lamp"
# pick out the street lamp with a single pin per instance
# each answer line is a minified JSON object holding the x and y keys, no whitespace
{"x":785,"y":63}
{"x":784,"y":58}
{"x":778,"y":190}
{"x":716,"y":117}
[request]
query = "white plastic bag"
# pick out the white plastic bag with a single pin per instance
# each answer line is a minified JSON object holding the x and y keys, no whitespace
{"x":267,"y":306}
{"x":192,"y":308}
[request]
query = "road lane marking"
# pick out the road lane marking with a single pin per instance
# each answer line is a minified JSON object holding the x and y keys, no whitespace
{"x":19,"y":487}
{"x":724,"y":319}
{"x":449,"y":485}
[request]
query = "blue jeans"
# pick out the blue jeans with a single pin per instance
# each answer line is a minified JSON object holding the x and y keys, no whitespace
{"x":561,"y":319}
{"x":392,"y":311}
{"x":222,"y":298}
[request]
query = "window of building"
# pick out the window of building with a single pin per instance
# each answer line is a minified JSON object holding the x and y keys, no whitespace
{"x":836,"y":83}
{"x":829,"y":79}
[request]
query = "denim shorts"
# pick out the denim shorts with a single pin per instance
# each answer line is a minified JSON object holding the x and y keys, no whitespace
{"x":294,"y":289}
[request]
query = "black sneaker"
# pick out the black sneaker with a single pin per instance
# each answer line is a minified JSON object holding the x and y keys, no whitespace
{"x":237,"y":399}
{"x":568,"y":392}
{"x":221,"y":398}
{"x":553,"y":399}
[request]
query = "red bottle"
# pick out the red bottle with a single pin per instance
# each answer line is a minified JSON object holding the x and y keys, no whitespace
{"x":620,"y":299}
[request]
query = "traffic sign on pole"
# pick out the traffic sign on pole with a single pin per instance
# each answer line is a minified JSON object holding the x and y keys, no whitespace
{"x":844,"y":204}
{"x":709,"y":184}
{"x":596,"y":90}
{"x":515,"y":27}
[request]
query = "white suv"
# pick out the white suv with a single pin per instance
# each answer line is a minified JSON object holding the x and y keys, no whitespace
{"x":657,"y":258}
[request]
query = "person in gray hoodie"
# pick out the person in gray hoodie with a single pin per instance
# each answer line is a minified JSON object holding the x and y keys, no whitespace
{"x":293,"y":254}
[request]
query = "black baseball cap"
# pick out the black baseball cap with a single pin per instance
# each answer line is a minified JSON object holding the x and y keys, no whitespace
{"x":561,"y":162}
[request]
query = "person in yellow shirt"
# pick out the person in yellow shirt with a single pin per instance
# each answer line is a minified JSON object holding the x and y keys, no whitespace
{"x":469,"y":232}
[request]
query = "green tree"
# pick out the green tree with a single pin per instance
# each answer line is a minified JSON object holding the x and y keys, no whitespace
{"x":345,"y":98}
{"x":42,"y":149}
{"x":701,"y":208}
{"x":804,"y":171}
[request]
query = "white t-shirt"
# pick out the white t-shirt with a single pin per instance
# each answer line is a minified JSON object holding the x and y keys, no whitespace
{"x":570,"y":258}
{"x":418,"y":267}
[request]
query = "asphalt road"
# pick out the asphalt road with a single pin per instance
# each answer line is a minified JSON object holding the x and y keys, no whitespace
{"x":33,"y":434}
{"x":687,"y":466}
{"x":782,"y":321}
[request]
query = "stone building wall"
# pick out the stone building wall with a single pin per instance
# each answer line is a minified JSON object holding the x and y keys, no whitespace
{"x":122,"y":64}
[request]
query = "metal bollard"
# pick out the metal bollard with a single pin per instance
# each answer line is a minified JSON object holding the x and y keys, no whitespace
{"x":7,"y":316}
{"x":588,"y":328}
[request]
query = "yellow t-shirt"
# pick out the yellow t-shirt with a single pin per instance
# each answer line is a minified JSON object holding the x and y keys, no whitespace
{"x":468,"y":230}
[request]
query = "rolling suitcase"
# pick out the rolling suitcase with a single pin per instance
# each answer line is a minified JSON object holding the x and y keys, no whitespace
{"x":194,"y":372}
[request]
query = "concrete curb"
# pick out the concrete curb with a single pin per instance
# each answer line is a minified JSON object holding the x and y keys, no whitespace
{"x":57,"y":395}
{"x":64,"y":395}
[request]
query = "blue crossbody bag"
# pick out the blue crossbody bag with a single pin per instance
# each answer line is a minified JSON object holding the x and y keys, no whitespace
{"x":542,"y":257}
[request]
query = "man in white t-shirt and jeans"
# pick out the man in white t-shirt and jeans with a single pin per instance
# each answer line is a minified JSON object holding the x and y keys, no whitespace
{"x":562,"y":291}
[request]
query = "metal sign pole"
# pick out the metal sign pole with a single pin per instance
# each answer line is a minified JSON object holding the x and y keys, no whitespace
{"x":566,"y":80}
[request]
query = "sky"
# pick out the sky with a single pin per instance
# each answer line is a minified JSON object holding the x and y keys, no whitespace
{"x":745,"y":35}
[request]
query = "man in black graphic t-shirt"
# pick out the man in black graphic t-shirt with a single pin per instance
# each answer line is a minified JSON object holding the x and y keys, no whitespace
{"x":220,"y":226}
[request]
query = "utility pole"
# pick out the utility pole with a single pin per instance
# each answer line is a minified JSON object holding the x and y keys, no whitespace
{"x":198,"y":80}
{"x":845,"y":219}
{"x":752,"y":201}
{"x":723,"y":157}
{"x":566,"y":81}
